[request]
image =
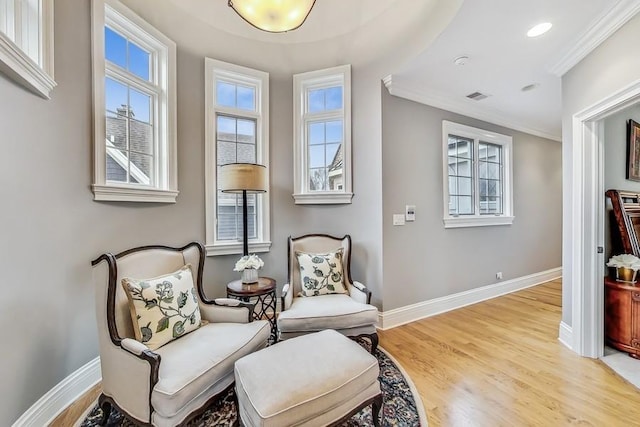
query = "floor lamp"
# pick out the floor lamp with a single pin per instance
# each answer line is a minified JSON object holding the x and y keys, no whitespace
{"x":243,"y":178}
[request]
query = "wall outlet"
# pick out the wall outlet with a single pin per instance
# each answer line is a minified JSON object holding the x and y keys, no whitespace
{"x":398,"y":219}
{"x":499,"y":275}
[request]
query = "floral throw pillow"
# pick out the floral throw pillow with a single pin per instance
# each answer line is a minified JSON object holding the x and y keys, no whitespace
{"x":321,"y":274}
{"x":163,"y":308}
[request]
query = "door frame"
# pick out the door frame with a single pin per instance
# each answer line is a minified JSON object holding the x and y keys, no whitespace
{"x":587,"y":220}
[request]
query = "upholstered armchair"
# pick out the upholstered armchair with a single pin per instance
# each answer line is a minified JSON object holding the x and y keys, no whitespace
{"x":350,"y":313}
{"x":170,"y":385}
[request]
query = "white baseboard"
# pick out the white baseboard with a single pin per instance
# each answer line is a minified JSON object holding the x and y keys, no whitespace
{"x":49,"y":406}
{"x":410,"y":313}
{"x":565,"y":335}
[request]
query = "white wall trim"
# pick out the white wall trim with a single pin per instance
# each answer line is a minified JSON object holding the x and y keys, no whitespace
{"x":61,"y":396}
{"x":600,"y":30}
{"x":410,"y":313}
{"x":464,"y":107}
{"x":565,"y":335}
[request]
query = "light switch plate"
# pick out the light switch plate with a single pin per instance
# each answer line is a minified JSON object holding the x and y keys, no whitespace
{"x":410,"y":213}
{"x":398,"y":219}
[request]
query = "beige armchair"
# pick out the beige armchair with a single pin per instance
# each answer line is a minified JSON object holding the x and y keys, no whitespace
{"x":350,"y":314}
{"x":172,"y":384}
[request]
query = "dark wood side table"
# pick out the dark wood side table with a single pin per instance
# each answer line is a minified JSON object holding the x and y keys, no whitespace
{"x":622,"y":316}
{"x":263,"y":295}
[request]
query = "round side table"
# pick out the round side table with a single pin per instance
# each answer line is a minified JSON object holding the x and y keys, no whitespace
{"x":263,"y":293}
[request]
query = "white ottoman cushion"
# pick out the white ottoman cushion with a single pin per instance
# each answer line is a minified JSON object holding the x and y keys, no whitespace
{"x":310,"y":380}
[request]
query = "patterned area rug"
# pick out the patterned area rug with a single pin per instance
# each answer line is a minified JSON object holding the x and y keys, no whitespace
{"x":402,"y":405}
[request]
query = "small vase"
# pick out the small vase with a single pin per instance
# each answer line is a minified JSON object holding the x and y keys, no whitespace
{"x":249,"y":275}
{"x":627,"y":275}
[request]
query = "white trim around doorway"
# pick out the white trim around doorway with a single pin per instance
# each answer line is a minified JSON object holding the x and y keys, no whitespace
{"x":587,"y":221}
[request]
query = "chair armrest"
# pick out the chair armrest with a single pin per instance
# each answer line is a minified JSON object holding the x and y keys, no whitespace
{"x":359,"y":292}
{"x":227,"y":310}
{"x":287,"y":296}
{"x":133,"y":346}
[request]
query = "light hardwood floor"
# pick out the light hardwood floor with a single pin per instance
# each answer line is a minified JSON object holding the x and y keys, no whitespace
{"x":498,"y":363}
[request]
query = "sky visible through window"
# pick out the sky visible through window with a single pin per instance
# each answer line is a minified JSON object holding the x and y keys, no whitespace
{"x":135,"y":60}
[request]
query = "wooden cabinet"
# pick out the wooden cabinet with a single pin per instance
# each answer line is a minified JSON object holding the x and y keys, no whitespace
{"x":622,"y":316}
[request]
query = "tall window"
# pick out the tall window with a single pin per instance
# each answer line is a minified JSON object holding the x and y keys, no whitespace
{"x":26,"y":43}
{"x":322,"y":141}
{"x":237,"y":122}
{"x":477,"y":177}
{"x":134,"y":83}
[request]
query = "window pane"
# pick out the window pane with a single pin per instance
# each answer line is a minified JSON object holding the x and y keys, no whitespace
{"x":316,"y":133}
{"x":333,"y":98}
{"x":453,"y":185}
{"x":453,"y":205}
{"x":246,"y":98}
{"x":334,"y":131}
{"x":116,"y":127}
{"x":140,"y":106}
{"x":247,"y":131}
{"x":116,"y":97}
{"x":464,"y":167}
{"x":493,"y":171}
{"x":226,"y":152}
{"x":140,"y":137}
{"x":482,"y":170}
{"x":115,"y":47}
{"x":316,"y":156}
{"x":465,"y":186}
{"x":318,"y":179}
{"x":465,"y":205}
{"x":483,"y":188}
{"x":225,"y":94}
{"x":246,"y":153}
{"x":332,"y":157}
{"x":117,"y":165}
{"x":315,"y":100}
{"x":226,"y":128}
{"x":139,"y":61}
{"x":141,"y":167}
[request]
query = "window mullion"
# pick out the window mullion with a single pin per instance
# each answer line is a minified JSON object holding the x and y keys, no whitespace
{"x":114,"y":71}
{"x":476,"y":177}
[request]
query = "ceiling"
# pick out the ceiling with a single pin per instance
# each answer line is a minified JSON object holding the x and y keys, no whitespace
{"x":491,"y":33}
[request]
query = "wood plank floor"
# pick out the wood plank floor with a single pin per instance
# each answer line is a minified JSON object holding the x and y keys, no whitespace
{"x":498,"y":363}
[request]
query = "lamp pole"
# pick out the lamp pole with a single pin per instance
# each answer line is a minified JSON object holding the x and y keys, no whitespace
{"x":245,"y":243}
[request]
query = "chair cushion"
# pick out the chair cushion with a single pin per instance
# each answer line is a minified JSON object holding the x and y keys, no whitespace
{"x":163,"y":308}
{"x":321,"y":274}
{"x":326,"y":312}
{"x":302,"y":378}
{"x":202,"y":358}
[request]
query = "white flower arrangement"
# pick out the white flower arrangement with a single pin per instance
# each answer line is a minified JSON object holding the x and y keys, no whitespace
{"x":249,"y":261}
{"x":625,"y":260}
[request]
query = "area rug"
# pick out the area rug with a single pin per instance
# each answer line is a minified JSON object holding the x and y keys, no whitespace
{"x":402,"y":403}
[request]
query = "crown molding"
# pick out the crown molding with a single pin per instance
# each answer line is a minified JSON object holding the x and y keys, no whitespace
{"x":598,"y":32}
{"x":463,"y":107}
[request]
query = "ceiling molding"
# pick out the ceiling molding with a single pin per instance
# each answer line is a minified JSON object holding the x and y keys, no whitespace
{"x":463,"y":107}
{"x":597,"y":33}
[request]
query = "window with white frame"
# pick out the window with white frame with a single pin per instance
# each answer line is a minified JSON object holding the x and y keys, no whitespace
{"x":237,"y":131}
{"x":26,"y":43}
{"x":322,"y":136}
{"x":134,"y":72}
{"x":478,"y":188}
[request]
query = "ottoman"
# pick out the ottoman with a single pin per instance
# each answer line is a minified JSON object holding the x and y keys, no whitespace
{"x":313,"y":380}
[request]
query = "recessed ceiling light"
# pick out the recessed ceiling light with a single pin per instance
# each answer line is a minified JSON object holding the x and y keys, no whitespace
{"x":461,"y":60}
{"x":539,"y":29}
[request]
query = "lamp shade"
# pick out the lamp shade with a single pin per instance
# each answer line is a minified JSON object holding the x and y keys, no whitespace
{"x":239,"y":177}
{"x":274,"y":16}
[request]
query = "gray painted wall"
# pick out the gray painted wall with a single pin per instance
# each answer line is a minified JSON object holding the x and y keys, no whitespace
{"x":423,"y":260}
{"x":606,"y":70}
{"x":615,"y":160}
{"x":51,"y":228}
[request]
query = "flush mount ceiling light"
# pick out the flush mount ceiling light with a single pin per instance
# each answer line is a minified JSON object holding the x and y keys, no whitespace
{"x":274,"y":16}
{"x":539,"y":29}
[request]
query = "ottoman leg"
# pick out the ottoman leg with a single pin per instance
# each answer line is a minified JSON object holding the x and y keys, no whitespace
{"x":375,"y":410}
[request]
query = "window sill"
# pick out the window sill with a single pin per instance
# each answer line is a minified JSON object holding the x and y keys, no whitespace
{"x":128,"y":194}
{"x":236,"y":248}
{"x":19,"y":67}
{"x":488,"y":221}
{"x":323,"y":198}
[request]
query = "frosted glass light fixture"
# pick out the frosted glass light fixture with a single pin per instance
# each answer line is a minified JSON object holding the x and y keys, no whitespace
{"x":274,"y":16}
